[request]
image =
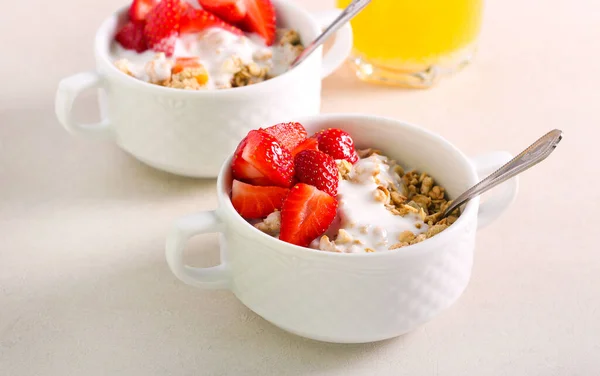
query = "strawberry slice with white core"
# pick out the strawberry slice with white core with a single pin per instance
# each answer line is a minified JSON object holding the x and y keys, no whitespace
{"x":260,"y":19}
{"x":243,"y":170}
{"x":253,"y":202}
{"x":139,"y":9}
{"x":230,"y":11}
{"x":289,"y":135}
{"x":261,"y":160}
{"x":195,"y":20}
{"x":306,"y":214}
{"x":162,"y":25}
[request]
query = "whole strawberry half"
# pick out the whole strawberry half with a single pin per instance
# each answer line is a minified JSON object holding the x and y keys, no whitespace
{"x":139,"y":9}
{"x":289,"y":135}
{"x":261,"y":160}
{"x":260,"y":19}
{"x":317,"y":169}
{"x":306,"y":214}
{"x":230,"y":11}
{"x":253,"y":202}
{"x":337,"y":143}
{"x":131,"y":36}
{"x":308,"y":144}
{"x":162,"y":25}
{"x":195,"y":20}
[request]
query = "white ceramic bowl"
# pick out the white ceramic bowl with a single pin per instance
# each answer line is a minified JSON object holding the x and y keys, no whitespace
{"x":350,"y":298}
{"x":192,"y":132}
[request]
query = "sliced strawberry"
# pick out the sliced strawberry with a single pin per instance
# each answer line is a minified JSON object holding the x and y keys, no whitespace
{"x":261,"y":160}
{"x":139,"y":9}
{"x":243,"y":170}
{"x":253,"y":202}
{"x":289,"y":135}
{"x":317,"y":169}
{"x":260,"y":19}
{"x":131,"y":37}
{"x":195,"y":20}
{"x":306,"y":214}
{"x":308,"y":144}
{"x":231,"y":11}
{"x":337,"y":143}
{"x":162,"y":25}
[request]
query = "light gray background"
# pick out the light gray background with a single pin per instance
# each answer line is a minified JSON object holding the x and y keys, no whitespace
{"x":84,"y":287}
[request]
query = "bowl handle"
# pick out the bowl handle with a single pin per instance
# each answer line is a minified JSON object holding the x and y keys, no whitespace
{"x":68,"y":90}
{"x":216,"y":277}
{"x":342,"y":46}
{"x":502,"y":196}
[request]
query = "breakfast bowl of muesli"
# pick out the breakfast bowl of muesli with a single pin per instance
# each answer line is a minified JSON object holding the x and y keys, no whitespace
{"x":331,"y":226}
{"x":180,"y":84}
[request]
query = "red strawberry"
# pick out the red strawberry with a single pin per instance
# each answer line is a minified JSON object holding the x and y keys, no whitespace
{"x":195,"y":20}
{"x":308,"y":144}
{"x":318,"y":169}
{"x":231,"y":11}
{"x":260,"y":160}
{"x":337,"y":143}
{"x":256,"y":202}
{"x":140,"y":8}
{"x":131,"y":36}
{"x":289,"y":135}
{"x":243,"y":170}
{"x":162,"y":25}
{"x":260,"y":19}
{"x":306,"y":213}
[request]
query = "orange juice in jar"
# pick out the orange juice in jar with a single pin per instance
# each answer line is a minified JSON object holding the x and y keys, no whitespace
{"x":414,"y":42}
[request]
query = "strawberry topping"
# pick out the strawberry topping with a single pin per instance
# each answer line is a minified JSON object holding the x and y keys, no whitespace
{"x":306,"y":213}
{"x":254,"y":201}
{"x":231,"y":11}
{"x":131,"y":36}
{"x":289,"y":135}
{"x":317,"y":169}
{"x":337,"y":143}
{"x":195,"y":20}
{"x":139,"y":9}
{"x":260,"y":19}
{"x":162,"y":25}
{"x":261,"y":160}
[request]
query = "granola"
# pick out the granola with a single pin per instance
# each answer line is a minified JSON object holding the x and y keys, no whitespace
{"x":412,"y":197}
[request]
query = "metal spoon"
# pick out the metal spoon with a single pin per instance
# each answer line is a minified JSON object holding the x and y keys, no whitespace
{"x":534,"y":154}
{"x":347,"y":14}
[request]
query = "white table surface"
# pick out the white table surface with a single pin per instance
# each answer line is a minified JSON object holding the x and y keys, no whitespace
{"x":85,"y":290}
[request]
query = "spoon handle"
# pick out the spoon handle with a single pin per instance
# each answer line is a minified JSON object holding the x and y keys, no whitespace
{"x":534,"y":154}
{"x":351,"y":10}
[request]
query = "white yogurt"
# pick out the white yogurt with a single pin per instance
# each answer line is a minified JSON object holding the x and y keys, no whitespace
{"x":363,"y":219}
{"x":216,"y":49}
